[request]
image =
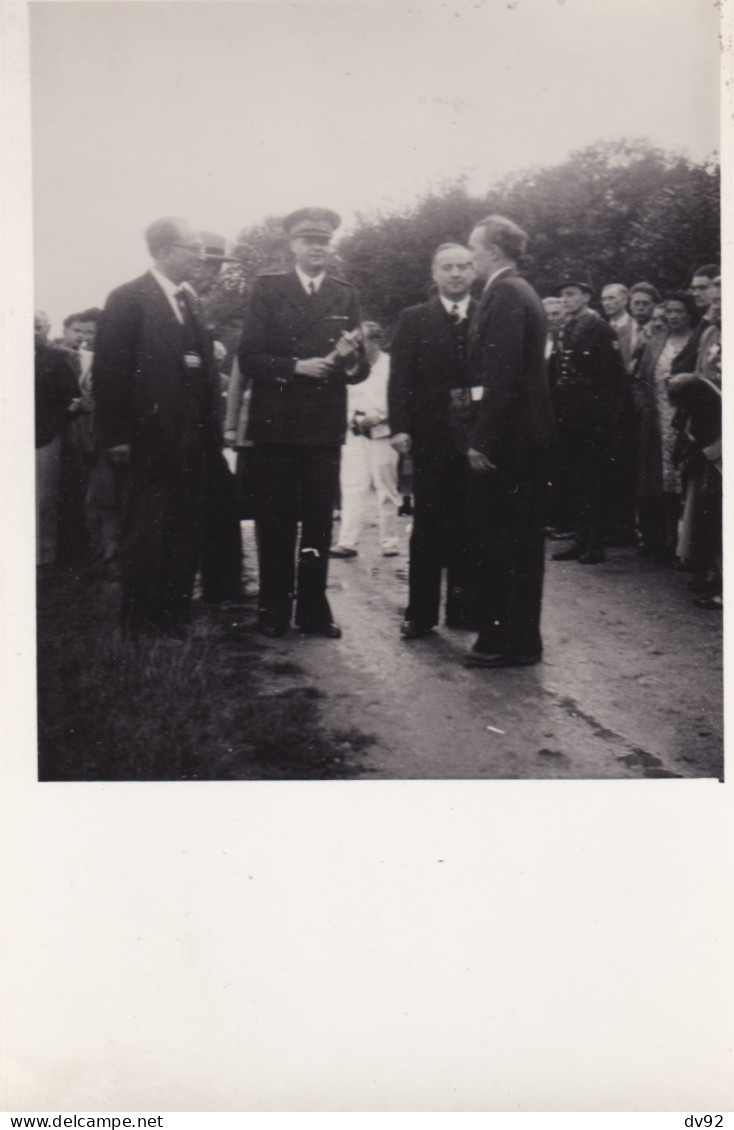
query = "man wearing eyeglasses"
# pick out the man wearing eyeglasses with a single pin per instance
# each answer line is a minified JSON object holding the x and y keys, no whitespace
{"x":156,"y":394}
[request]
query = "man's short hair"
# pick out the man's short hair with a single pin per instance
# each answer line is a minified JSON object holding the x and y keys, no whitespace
{"x":617,"y":286}
{"x":553,"y":298}
{"x":93,"y":314}
{"x":648,"y":289}
{"x":445,"y":246}
{"x":163,"y":233}
{"x":709,"y":271}
{"x":71,"y":318}
{"x":507,"y":235}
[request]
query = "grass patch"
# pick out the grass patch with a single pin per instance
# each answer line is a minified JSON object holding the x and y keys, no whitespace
{"x":204,"y":709}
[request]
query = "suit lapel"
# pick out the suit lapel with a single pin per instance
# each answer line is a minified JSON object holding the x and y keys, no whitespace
{"x":310,"y":308}
{"x":440,"y":325}
{"x":162,"y":316}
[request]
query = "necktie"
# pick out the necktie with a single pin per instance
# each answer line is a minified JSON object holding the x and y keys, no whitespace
{"x":183,"y":305}
{"x":455,"y":314}
{"x":312,"y":289}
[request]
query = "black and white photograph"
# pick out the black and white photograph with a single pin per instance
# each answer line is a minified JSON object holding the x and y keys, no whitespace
{"x":363,"y":595}
{"x":378,"y":390}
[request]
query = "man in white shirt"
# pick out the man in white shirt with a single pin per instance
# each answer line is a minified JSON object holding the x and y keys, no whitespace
{"x":368,"y":457}
{"x":643,"y":298}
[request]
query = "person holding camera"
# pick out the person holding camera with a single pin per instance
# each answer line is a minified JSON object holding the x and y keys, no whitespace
{"x":368,"y":457}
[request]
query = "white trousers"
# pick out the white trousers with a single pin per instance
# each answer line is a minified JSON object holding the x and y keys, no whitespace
{"x":48,"y":465}
{"x":369,"y":462}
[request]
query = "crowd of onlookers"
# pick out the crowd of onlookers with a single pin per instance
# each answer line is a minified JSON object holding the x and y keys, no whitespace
{"x":639,"y":463}
{"x":658,"y":441}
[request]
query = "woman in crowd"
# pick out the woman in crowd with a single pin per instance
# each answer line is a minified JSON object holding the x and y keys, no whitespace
{"x":659,"y":484}
{"x":697,"y":397}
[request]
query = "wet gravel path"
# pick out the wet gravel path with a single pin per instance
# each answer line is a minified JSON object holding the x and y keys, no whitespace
{"x":630,"y":686}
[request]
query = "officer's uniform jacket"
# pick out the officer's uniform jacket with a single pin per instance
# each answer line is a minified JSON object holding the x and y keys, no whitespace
{"x":589,"y":374}
{"x":284,"y":325}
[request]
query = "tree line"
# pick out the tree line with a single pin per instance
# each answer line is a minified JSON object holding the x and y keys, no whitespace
{"x":625,"y":210}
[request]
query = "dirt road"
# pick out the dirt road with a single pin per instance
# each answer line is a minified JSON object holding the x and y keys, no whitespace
{"x":630,"y":686}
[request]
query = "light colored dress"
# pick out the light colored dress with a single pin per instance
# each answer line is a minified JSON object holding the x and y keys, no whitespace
{"x":666,"y":412}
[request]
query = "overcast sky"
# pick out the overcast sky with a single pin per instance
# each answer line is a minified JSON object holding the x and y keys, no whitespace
{"x":228,"y":112}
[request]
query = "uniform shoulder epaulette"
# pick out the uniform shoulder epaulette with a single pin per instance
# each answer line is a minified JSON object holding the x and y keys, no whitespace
{"x":344,"y":282}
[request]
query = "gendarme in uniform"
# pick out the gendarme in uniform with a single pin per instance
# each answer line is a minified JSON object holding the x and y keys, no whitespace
{"x":293,"y":325}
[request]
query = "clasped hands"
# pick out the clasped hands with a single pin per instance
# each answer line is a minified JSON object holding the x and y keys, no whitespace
{"x":319,"y":367}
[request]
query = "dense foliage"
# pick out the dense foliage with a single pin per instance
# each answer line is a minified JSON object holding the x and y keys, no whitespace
{"x":624,"y":210}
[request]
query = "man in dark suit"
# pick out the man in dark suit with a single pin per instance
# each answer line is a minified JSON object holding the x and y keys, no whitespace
{"x":588,"y":394}
{"x":57,"y":402}
{"x":221,"y":556}
{"x":430,"y":404}
{"x":300,"y":351}
{"x":156,"y":399}
{"x":511,"y":444}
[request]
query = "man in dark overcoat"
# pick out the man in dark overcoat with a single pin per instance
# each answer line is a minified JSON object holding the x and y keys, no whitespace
{"x":57,"y":400}
{"x":430,"y":405}
{"x":299,"y":350}
{"x":511,"y":445}
{"x":157,"y":413}
{"x":588,"y":388}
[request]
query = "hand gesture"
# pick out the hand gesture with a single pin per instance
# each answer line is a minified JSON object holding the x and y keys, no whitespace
{"x":402,"y":443}
{"x":348,"y":343}
{"x":316,"y":367}
{"x":479,"y":462}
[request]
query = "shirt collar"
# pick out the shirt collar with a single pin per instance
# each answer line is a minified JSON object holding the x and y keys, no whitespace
{"x":306,"y":280}
{"x":463,"y":305}
{"x":495,"y":275}
{"x":170,"y":289}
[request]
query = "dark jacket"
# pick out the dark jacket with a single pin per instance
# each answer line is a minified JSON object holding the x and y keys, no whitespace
{"x":284,"y":325}
{"x":425,"y":364}
{"x":55,"y":386}
{"x":144,"y":393}
{"x":507,"y":355}
{"x":590,"y":378}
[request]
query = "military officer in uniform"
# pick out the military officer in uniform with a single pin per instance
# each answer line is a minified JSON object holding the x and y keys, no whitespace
{"x":300,"y":350}
{"x":588,"y":384}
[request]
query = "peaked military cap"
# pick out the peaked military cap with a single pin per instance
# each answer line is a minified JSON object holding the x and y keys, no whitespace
{"x":577,"y":276}
{"x":215,"y":248}
{"x":312,"y":221}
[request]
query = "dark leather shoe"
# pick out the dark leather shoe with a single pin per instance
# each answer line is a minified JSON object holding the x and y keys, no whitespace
{"x":275,"y":626}
{"x":501,"y":659}
{"x":592,"y":557}
{"x":571,"y":554}
{"x":342,"y":551}
{"x":330,"y":631}
{"x":412,"y":630}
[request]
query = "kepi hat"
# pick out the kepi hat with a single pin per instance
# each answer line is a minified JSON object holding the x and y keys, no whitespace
{"x":577,"y":276}
{"x":215,"y":248}
{"x":312,"y":221}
